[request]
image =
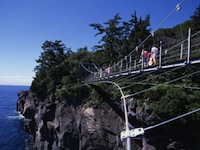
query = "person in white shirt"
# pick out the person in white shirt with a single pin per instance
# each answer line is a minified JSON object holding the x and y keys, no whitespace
{"x":154,"y":53}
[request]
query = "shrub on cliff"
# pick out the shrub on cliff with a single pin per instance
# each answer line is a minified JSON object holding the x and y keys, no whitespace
{"x":179,"y":97}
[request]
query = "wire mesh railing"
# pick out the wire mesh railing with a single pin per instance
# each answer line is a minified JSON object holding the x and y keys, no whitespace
{"x":183,"y":52}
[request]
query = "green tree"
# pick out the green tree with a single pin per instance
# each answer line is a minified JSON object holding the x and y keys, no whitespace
{"x":195,"y":18}
{"x":120,"y":38}
{"x":111,"y":38}
{"x":173,"y":99}
{"x":139,"y":30}
{"x":50,"y":70}
{"x":196,"y":15}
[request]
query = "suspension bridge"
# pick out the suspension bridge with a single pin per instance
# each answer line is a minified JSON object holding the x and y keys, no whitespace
{"x":181,"y":54}
{"x":134,"y":69}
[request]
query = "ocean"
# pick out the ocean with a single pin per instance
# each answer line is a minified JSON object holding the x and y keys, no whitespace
{"x":12,"y":134}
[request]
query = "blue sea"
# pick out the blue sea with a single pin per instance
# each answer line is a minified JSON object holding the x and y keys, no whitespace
{"x":12,"y":134}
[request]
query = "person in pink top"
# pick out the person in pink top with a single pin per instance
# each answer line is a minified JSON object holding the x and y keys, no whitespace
{"x":144,"y":57}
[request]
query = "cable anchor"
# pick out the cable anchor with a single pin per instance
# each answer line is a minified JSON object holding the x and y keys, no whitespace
{"x":178,"y":7}
{"x":131,"y":133}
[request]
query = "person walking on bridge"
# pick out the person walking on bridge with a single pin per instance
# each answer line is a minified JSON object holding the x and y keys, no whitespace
{"x":144,"y":57}
{"x":154,"y":53}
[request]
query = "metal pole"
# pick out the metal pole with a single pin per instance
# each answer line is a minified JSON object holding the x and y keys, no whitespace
{"x":126,"y":63}
{"x":130,"y":64}
{"x":128,"y":140}
{"x":160,"y":56}
{"x":121,"y":65}
{"x":135,"y":65}
{"x":142,"y":58}
{"x":181,"y":55}
{"x":189,"y":45}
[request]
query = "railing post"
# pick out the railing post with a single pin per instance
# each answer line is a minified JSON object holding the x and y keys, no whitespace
{"x":142,"y":58}
{"x":121,"y":65}
{"x":189,"y":45}
{"x":181,"y":55}
{"x":126,"y":63}
{"x":135,"y":65}
{"x":130,"y":64}
{"x":160,"y":55}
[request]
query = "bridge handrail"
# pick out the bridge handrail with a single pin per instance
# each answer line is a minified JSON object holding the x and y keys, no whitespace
{"x":180,"y":52}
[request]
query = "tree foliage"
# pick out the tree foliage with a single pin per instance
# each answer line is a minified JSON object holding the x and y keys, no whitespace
{"x":120,"y":38}
{"x":50,"y":70}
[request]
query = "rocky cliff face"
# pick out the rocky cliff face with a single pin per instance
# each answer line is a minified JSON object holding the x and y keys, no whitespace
{"x":61,"y":126}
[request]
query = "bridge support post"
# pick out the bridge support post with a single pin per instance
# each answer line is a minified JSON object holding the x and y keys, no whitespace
{"x":135,"y":64}
{"x":126,"y":59}
{"x":130,"y":64}
{"x":160,"y":55}
{"x":181,"y":55}
{"x":121,"y":65}
{"x":128,"y":138}
{"x":142,"y":61}
{"x":189,"y":46}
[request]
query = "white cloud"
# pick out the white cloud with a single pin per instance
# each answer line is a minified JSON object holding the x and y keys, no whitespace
{"x":16,"y":80}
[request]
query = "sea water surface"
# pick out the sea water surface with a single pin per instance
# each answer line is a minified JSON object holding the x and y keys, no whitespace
{"x":12,"y":134}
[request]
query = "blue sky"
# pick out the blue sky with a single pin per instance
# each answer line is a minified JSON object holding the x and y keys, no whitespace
{"x":26,"y":24}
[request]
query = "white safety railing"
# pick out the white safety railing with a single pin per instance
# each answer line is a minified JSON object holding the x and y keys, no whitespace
{"x":182,"y":52}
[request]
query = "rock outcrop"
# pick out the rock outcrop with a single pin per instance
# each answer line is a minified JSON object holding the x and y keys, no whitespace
{"x":62,"y":126}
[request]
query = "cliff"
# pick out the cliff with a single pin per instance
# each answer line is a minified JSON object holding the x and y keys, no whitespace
{"x":60,"y":125}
